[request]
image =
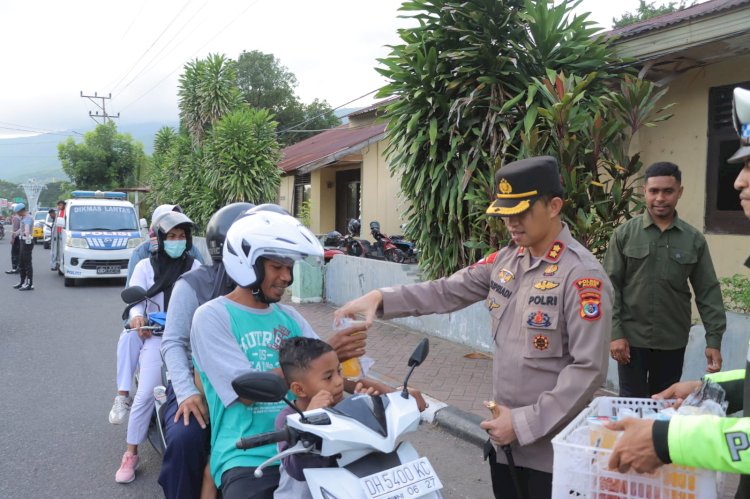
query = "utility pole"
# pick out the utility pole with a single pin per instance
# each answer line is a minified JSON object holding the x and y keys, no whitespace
{"x":103,"y":116}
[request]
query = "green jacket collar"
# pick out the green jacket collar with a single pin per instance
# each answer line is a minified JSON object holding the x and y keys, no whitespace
{"x":648,"y":221}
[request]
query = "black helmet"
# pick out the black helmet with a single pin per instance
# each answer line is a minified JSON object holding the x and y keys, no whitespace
{"x":375,"y":226}
{"x":332,"y":238}
{"x":171,"y":220}
{"x":354,"y":227}
{"x":218,"y":225}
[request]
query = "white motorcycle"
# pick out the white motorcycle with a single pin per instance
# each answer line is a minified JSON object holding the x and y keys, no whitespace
{"x":364,"y":433}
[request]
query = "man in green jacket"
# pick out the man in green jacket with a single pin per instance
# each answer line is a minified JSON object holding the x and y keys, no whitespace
{"x":709,"y":442}
{"x":650,"y":260}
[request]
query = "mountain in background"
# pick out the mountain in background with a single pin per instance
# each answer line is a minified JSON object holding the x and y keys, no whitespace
{"x":36,"y":157}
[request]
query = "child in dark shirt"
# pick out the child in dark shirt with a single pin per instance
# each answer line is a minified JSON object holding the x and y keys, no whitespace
{"x":312,"y":370}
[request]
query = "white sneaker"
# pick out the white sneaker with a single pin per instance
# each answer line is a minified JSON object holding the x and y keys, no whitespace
{"x":120,"y":410}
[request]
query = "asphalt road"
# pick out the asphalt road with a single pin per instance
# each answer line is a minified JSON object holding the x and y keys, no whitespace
{"x":57,"y":372}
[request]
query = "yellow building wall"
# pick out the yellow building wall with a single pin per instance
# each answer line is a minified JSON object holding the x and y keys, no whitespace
{"x":286,"y":192}
{"x":683,"y":140}
{"x":323,"y":209}
{"x":381,"y":199}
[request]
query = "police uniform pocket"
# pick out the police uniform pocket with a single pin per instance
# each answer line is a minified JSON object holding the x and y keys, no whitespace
{"x":543,"y":338}
{"x":636,"y":252}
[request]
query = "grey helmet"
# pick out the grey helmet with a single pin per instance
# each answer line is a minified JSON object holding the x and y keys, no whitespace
{"x":169,"y":221}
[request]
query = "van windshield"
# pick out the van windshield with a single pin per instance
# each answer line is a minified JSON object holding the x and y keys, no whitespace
{"x":118,"y":218}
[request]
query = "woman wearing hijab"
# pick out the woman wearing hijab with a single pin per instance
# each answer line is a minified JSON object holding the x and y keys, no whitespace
{"x":157,"y":275}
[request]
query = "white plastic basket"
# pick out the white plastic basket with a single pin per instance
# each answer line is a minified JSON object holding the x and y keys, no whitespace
{"x":580,"y":470}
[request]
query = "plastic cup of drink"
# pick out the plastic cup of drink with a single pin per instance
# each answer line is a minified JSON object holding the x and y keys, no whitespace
{"x":350,"y":369}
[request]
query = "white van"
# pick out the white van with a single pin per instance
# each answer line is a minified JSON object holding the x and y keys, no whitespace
{"x":99,"y":232}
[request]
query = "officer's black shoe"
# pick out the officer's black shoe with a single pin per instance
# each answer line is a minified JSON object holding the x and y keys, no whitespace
{"x":12,"y":271}
{"x":18,"y":286}
{"x":28,"y":286}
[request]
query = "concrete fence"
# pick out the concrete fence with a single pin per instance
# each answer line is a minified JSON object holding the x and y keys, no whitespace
{"x":347,"y":277}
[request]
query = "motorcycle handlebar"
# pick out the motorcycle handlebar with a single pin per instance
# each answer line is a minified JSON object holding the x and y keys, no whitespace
{"x":272,"y":437}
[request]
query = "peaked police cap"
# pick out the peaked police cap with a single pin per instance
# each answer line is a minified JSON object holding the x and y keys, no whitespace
{"x":519,"y":183}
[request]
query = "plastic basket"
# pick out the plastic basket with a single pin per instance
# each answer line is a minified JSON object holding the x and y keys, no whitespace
{"x":580,"y":470}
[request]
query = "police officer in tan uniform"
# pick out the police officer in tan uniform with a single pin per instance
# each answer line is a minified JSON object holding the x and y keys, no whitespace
{"x":551,"y":308}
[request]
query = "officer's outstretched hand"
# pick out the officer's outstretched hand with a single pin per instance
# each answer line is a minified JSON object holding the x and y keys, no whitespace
{"x":194,"y":405}
{"x":635,"y":448}
{"x":366,"y":305}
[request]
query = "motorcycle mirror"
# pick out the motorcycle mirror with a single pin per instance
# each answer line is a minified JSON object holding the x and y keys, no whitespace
{"x":260,"y":387}
{"x":420,"y":353}
{"x":417,"y":357}
{"x":133,"y":294}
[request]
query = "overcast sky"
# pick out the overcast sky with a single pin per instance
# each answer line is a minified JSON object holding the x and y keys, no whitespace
{"x":51,"y":50}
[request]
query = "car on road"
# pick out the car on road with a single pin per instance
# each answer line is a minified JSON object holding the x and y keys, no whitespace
{"x":37,"y":231}
{"x":100,"y":230}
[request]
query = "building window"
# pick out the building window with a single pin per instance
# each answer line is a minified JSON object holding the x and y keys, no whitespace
{"x":302,"y":188}
{"x":723,"y":211}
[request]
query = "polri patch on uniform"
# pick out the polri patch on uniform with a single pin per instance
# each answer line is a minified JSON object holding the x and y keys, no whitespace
{"x":555,"y":251}
{"x":540,"y":342}
{"x":505,"y":276}
{"x":588,"y":283}
{"x":550,"y":270}
{"x":546,"y":285}
{"x":591,"y":309}
{"x":539,"y":319}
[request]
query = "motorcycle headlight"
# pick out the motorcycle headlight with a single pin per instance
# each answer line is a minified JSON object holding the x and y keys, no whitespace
{"x":134,"y":242}
{"x":77,"y":242}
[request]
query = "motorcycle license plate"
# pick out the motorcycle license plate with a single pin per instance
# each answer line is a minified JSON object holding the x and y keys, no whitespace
{"x":413,"y":479}
{"x":108,"y":269}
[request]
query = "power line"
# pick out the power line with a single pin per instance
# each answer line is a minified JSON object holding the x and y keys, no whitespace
{"x":308,"y":120}
{"x":152,"y":45}
{"x":150,"y":64}
{"x":234,"y":20}
{"x":29,"y":129}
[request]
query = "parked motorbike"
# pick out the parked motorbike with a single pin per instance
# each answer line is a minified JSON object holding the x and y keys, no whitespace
{"x":332,"y":245}
{"x":2,"y":230}
{"x":384,"y":247}
{"x":364,"y":433}
{"x":156,"y":322}
{"x":354,"y":246}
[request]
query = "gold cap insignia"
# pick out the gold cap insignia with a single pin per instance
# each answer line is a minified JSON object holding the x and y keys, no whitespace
{"x":504,"y":187}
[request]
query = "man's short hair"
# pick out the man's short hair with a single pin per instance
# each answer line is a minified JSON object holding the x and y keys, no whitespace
{"x":296,"y":354}
{"x":664,"y":169}
{"x":60,"y":202}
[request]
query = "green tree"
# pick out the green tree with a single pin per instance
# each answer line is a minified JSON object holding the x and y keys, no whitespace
{"x":105,"y":159}
{"x":478,"y":87}
{"x":237,"y":162}
{"x":55,"y":192}
{"x":266,"y":84}
{"x":648,"y":10}
{"x":242,"y":156}
{"x":207,"y":91}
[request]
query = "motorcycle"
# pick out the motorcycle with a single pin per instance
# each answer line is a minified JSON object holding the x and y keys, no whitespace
{"x":156,"y":322}
{"x":364,"y":433}
{"x":352,"y":245}
{"x":384,"y":248}
{"x":2,"y":230}
{"x":332,"y":245}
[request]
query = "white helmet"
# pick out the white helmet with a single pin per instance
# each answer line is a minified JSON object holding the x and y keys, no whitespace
{"x":265,"y":234}
{"x":162,"y":210}
{"x":741,"y":118}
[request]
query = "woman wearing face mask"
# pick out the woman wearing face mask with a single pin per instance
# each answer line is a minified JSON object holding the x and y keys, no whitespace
{"x":157,"y":275}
